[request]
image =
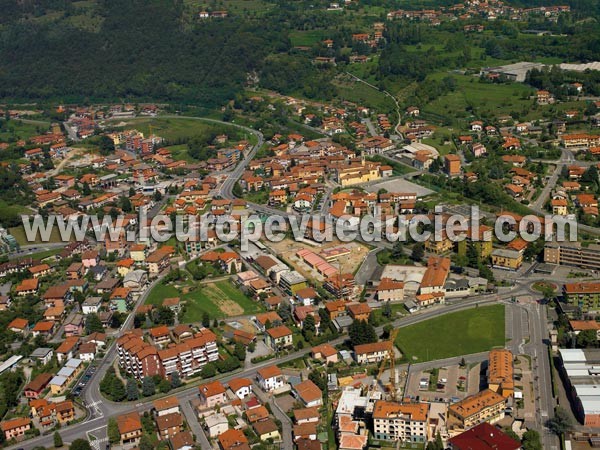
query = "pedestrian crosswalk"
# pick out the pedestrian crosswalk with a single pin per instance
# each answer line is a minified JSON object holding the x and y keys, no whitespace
{"x":98,"y":444}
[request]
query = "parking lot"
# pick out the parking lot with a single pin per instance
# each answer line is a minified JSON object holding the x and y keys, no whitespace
{"x":446,"y":384}
{"x":85,"y":378}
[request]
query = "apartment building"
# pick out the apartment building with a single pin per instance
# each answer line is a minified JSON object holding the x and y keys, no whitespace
{"x":500,"y":372}
{"x":406,"y":422}
{"x":573,"y":254}
{"x":485,"y":406}
{"x":15,"y":428}
{"x":141,"y":359}
{"x":371,"y":353}
{"x":585,"y":295}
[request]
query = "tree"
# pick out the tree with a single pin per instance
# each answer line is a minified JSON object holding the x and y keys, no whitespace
{"x":148,"y":387}
{"x":418,"y":252}
{"x":106,"y":145}
{"x":587,"y":339}
{"x":132,"y":390}
{"x":531,"y":440}
{"x":252,"y":347}
{"x":285,"y":311}
{"x":164,"y":386}
{"x":93,"y":324}
{"x":58,"y":442}
{"x":164,"y":316}
{"x":208,"y":371}
{"x":80,"y":444}
{"x":175,"y":380}
{"x":319,"y":379}
{"x":114,"y":436}
{"x":309,"y":328}
{"x":146,"y":443}
{"x":215,"y":323}
{"x":117,"y":389}
{"x":205,"y":319}
{"x":126,"y":204}
{"x":361,"y":332}
{"x":387,"y":309}
{"x":397,"y":250}
{"x":560,"y":423}
{"x":85,"y":189}
{"x":239,"y":351}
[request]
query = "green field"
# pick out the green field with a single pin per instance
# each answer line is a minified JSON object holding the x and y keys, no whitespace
{"x":175,"y":128}
{"x":180,"y":153}
{"x":219,"y":299}
{"x":19,"y":235}
{"x":364,"y":95}
{"x":17,"y":129}
{"x":460,"y":333}
{"x":485,"y":99}
{"x":307,"y":38}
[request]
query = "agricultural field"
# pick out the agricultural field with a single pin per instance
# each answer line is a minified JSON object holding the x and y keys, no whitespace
{"x":460,"y":333}
{"x":484,"y":99}
{"x":362,"y":94}
{"x":174,"y":129}
{"x":220,"y":299}
{"x":307,"y":38}
{"x":15,"y":129}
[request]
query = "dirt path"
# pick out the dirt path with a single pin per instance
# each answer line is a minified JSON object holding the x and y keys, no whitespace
{"x":74,"y":152}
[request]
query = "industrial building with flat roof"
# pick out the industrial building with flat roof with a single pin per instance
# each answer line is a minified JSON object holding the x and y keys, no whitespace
{"x":581,"y":370}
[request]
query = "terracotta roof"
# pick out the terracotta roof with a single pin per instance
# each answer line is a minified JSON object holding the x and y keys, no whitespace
{"x":165,"y":403}
{"x":15,"y":423}
{"x":270,"y":372}
{"x":306,"y":413}
{"x":279,"y":332}
{"x":371,"y":348}
{"x":211,"y":389}
{"x":231,"y":438}
{"x":238,"y":383}
{"x":417,"y":411}
{"x":475,"y":403}
{"x":308,"y":391}
{"x":128,"y":423}
{"x":168,"y":421}
{"x":18,"y":323}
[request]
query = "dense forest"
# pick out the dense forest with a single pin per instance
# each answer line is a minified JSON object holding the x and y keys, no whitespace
{"x":140,"y":51}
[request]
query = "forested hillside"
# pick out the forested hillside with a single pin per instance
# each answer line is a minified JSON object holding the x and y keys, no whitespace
{"x":140,"y":50}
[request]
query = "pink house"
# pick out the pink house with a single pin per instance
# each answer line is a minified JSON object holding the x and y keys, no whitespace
{"x":75,"y":326}
{"x":212,"y":394}
{"x":479,"y":150}
{"x":90,"y":258}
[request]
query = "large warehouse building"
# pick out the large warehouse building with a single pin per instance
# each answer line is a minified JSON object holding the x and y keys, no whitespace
{"x":582,"y":370}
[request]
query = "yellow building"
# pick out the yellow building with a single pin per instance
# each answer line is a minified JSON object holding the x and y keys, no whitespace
{"x":507,"y":259}
{"x":485,"y":406}
{"x":358,"y":173}
{"x":443,"y":245}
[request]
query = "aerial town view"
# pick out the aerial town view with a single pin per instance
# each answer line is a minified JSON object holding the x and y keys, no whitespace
{"x":300,"y":224}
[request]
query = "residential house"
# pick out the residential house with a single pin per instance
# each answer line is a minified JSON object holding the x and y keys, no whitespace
{"x":241,"y":387}
{"x":279,"y":337}
{"x":212,"y":394}
{"x":308,"y":393}
{"x":270,"y":378}
{"x":15,"y":428}
{"x":130,"y":428}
